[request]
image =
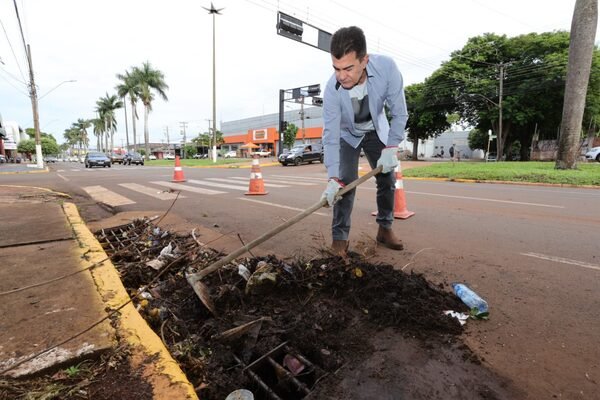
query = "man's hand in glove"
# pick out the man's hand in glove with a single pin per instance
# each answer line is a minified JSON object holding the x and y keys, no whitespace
{"x":333,"y":186}
{"x":388,"y":159}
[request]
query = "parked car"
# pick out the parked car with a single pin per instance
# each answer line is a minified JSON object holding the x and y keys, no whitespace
{"x":95,"y":159}
{"x":133,"y":158}
{"x":593,"y":154}
{"x":169,"y":156}
{"x":199,"y":156}
{"x":151,"y":157}
{"x":2,"y":158}
{"x":50,"y":159}
{"x":230,"y":154}
{"x":262,"y":153}
{"x":302,"y":153}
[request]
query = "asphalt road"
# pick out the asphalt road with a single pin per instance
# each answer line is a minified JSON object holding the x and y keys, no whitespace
{"x":531,"y":251}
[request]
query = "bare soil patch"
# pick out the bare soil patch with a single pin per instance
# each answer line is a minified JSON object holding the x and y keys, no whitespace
{"x":316,"y":328}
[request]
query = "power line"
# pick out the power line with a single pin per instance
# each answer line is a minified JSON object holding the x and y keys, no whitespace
{"x":12,"y":50}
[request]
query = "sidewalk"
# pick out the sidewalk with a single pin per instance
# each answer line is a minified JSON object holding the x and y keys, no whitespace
{"x":21,"y":168}
{"x":42,"y":238}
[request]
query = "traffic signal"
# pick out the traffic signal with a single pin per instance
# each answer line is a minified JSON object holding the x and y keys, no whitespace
{"x":284,"y":125}
{"x":314,"y":90}
{"x":290,"y":27}
{"x":317,"y":101}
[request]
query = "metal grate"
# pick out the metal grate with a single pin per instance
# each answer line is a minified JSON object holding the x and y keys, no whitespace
{"x":117,"y":238}
{"x":275,"y":380}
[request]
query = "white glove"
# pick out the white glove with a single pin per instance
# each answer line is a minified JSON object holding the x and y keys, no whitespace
{"x":333,"y":186}
{"x":388,"y":159}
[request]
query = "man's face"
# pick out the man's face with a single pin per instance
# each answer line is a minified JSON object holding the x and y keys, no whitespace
{"x":349,"y":69}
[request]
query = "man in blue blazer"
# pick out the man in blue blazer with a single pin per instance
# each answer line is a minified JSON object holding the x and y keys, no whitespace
{"x":354,"y":103}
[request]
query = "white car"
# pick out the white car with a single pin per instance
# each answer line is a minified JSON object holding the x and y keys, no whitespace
{"x":151,"y":157}
{"x":593,"y":154}
{"x":230,"y":154}
{"x":169,"y":156}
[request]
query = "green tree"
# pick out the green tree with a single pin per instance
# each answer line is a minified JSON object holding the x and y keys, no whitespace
{"x":49,"y":146}
{"x":533,"y":69}
{"x":98,"y":129}
{"x":31,"y":133}
{"x":427,"y":118}
{"x":289,"y":135}
{"x":81,"y":127}
{"x":129,"y":87}
{"x":189,"y":150}
{"x":149,"y":80}
{"x":26,"y":147}
{"x":106,"y":107}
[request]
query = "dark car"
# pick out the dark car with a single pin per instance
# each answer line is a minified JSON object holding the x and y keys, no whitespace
{"x":94,"y":159}
{"x":302,"y":153}
{"x":133,"y":158}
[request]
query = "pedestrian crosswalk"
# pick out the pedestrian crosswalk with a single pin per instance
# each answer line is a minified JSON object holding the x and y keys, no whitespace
{"x":127,"y":193}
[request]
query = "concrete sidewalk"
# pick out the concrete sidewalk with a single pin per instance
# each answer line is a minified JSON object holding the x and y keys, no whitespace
{"x":45,"y":303}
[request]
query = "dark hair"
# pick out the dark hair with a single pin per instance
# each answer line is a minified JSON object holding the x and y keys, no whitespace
{"x":347,"y":40}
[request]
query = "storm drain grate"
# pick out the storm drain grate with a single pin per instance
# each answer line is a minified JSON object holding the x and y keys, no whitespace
{"x":118,"y":237}
{"x":283,"y":373}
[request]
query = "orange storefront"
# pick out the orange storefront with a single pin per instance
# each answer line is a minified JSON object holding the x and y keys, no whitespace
{"x":267,"y":139}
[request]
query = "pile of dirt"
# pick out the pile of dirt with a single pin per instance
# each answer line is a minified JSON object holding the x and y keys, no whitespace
{"x":297,"y":329}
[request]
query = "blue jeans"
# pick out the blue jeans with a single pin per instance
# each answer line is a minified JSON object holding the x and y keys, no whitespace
{"x":342,"y":210}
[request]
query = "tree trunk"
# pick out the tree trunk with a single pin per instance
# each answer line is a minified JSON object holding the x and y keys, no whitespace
{"x":146,"y":134}
{"x":581,"y":47}
{"x":415,"y":151}
{"x":126,"y":124}
{"x":133,"y":113}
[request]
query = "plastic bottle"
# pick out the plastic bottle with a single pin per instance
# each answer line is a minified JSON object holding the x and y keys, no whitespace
{"x":478,"y":306}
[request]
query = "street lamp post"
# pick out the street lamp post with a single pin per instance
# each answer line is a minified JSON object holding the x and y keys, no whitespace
{"x":214,"y":11}
{"x":56,"y":87}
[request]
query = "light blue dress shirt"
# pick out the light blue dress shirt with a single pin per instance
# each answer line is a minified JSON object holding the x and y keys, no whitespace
{"x":384,"y":86}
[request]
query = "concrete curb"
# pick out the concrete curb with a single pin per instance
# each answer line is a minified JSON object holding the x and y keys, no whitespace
{"x":61,"y":194}
{"x":164,"y":374}
{"x":26,"y":172}
{"x":461,"y":180}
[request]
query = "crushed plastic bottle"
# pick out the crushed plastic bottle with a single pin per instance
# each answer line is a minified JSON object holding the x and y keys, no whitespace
{"x":477,"y":305}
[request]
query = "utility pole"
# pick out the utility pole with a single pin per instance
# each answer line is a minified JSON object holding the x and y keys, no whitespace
{"x":209,"y":130}
{"x":36,"y":116}
{"x":168,"y":142}
{"x":302,"y":118}
{"x":183,"y":126}
{"x":214,"y":11}
{"x":500,"y":136}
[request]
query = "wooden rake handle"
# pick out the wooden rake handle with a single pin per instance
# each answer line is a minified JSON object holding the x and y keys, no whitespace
{"x":232,"y":256}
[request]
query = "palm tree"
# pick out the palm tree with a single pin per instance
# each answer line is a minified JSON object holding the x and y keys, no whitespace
{"x":149,"y":80}
{"x":71,"y":136}
{"x":129,"y":87}
{"x":106,"y":107}
{"x":98,"y":124}
{"x":81,"y":126}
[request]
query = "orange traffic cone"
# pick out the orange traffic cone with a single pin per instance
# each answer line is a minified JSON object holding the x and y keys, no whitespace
{"x":178,"y":173}
{"x":257,"y":186}
{"x":400,"y":211}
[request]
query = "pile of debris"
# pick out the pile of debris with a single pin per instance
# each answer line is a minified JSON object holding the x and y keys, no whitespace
{"x":281,"y":329}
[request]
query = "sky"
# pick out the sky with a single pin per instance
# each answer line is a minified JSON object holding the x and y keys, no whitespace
{"x":90,"y":41}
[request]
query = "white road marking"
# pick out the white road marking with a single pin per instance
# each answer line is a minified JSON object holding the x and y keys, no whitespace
{"x":484,"y":199}
{"x":219,"y":185}
{"x":103,"y":195}
{"x":280,"y":206}
{"x":301,"y":177}
{"x":178,"y":186}
{"x":266,"y":184}
{"x":62,"y":177}
{"x":562,"y":260}
{"x":296,"y":183}
{"x":159,"y":194}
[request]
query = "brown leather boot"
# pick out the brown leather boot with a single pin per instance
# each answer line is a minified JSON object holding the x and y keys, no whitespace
{"x":340,"y":248}
{"x":387,"y":238}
